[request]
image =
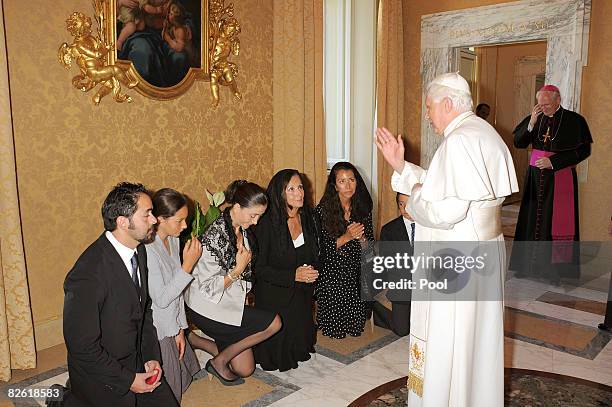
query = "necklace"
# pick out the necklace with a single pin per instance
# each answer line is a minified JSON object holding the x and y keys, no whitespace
{"x":346,"y":214}
{"x":547,"y":137}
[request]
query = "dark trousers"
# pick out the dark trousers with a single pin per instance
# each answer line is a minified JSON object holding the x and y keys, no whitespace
{"x":397,"y":318}
{"x":162,"y":396}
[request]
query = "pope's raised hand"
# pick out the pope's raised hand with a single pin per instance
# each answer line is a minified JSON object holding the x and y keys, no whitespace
{"x":392,"y":148}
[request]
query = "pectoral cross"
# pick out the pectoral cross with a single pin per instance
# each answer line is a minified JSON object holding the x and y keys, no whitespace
{"x":547,"y":135}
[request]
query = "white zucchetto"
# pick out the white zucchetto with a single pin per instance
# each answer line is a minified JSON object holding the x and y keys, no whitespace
{"x":453,"y":81}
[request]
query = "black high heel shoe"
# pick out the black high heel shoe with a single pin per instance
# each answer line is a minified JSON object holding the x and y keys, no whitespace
{"x":213,"y":372}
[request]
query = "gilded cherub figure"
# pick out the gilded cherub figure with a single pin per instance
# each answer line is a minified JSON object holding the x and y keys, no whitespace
{"x":223,"y":71}
{"x":89,"y":53}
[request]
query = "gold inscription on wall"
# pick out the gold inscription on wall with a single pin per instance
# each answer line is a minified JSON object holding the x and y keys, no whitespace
{"x":502,"y":28}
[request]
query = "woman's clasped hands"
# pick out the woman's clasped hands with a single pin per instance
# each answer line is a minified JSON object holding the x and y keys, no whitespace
{"x":354,"y":230}
{"x":306,"y":274}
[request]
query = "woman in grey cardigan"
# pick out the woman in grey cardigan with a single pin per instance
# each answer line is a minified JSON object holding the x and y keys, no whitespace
{"x":168,"y":278}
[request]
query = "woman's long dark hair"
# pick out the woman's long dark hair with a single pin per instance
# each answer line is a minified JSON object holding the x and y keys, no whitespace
{"x":332,"y":212}
{"x":277,"y":208}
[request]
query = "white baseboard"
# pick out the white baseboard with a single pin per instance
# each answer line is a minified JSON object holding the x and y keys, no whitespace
{"x":48,"y":333}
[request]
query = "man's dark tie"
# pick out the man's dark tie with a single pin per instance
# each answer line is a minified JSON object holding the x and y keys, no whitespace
{"x":134,"y":261}
{"x":412,"y":234}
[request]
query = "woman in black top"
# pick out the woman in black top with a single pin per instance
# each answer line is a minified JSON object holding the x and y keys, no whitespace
{"x":345,"y":216}
{"x":286,"y":270}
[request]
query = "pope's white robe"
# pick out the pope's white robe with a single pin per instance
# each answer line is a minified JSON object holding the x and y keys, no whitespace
{"x":456,"y":356}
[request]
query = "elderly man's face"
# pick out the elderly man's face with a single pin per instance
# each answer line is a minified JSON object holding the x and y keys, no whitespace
{"x":549,"y":101}
{"x":435,"y":114}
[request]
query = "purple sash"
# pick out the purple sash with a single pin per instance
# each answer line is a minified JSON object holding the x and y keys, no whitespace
{"x":563,"y":229}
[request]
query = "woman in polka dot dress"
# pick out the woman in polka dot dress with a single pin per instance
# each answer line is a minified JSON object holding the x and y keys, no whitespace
{"x":345,"y":216}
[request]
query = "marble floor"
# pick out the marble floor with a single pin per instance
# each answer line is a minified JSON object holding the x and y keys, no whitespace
{"x":521,"y":388}
{"x":541,"y":335}
{"x":548,"y":328}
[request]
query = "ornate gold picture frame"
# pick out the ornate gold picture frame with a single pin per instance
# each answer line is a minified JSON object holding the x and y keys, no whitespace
{"x":146,"y":56}
{"x":158,"y":47}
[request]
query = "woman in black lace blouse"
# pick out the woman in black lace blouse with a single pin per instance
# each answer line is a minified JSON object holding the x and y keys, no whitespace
{"x":286,"y":269}
{"x":215,"y":298}
{"x":345,"y":215}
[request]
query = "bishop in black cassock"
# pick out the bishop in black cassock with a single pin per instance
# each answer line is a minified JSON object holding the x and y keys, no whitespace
{"x":548,"y":227}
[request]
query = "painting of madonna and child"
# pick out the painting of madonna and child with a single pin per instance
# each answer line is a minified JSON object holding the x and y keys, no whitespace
{"x":160,"y":37}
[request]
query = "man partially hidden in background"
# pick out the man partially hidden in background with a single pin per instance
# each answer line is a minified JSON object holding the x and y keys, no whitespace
{"x":399,"y":237}
{"x":483,"y":110}
{"x":560,"y":140}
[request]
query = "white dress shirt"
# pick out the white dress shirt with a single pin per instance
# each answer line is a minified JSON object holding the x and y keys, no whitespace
{"x":299,"y":241}
{"x":126,"y":254}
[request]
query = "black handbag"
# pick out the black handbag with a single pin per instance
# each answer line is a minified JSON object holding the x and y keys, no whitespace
{"x":367,"y":276}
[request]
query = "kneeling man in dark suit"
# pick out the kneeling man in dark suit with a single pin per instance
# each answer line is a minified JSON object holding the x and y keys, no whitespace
{"x":108,"y":327}
{"x":400,"y":229}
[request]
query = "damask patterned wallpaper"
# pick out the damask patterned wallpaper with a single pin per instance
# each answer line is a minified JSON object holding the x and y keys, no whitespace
{"x":69,"y":153}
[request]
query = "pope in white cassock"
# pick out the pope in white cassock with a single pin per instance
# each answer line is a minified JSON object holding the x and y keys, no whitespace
{"x":456,"y":346}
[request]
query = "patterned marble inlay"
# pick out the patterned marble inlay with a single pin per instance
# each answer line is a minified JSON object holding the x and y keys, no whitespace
{"x":382,"y":356}
{"x":594,"y":307}
{"x":522,"y":388}
{"x":556,"y":334}
{"x":564,"y":24}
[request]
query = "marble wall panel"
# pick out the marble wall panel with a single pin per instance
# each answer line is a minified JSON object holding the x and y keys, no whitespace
{"x":564,"y":24}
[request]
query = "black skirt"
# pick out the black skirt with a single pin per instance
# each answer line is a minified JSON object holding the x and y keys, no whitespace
{"x":295,"y":342}
{"x":253,"y":321}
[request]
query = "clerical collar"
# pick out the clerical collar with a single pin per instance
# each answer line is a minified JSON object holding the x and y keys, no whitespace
{"x":556,"y":111}
{"x":456,"y":121}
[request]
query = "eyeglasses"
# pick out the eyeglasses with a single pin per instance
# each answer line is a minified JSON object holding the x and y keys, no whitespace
{"x":295,"y":189}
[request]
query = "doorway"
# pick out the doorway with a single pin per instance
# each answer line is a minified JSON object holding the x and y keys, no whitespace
{"x":564,"y":28}
{"x":506,"y":77}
